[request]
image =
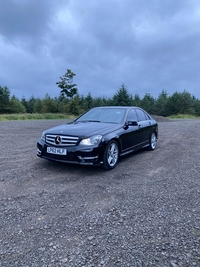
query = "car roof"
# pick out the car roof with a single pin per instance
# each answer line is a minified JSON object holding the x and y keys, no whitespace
{"x":120,"y":107}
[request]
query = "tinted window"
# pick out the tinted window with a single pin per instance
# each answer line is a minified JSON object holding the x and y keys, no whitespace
{"x":113,"y":115}
{"x":132,"y":115}
{"x":141,"y":115}
{"x":147,"y":116}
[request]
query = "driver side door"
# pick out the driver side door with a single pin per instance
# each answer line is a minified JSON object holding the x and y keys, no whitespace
{"x":132,"y":136}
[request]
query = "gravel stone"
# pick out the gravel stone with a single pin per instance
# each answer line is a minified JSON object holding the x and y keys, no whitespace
{"x":143,"y":213}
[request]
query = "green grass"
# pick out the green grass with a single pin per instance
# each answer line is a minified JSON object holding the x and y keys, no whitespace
{"x":183,"y":116}
{"x":57,"y":116}
{"x":34,"y":116}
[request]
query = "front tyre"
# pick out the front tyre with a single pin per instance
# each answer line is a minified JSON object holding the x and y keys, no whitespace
{"x":111,"y":155}
{"x":153,"y":141}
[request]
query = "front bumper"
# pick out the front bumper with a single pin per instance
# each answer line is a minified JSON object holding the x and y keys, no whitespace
{"x":91,"y":155}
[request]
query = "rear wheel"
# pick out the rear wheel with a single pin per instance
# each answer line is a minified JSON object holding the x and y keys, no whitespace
{"x":111,"y":155}
{"x":153,"y":141}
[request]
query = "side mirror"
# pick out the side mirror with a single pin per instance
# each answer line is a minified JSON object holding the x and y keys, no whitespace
{"x":130,"y":123}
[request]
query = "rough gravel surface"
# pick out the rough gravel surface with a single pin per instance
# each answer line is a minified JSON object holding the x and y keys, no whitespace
{"x":145,"y":212}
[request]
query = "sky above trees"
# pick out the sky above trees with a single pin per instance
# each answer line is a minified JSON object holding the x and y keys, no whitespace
{"x":149,"y":46}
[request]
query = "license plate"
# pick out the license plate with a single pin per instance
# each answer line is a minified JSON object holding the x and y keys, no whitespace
{"x":57,"y":151}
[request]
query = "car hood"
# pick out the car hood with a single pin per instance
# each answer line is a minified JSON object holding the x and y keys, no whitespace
{"x":83,"y":129}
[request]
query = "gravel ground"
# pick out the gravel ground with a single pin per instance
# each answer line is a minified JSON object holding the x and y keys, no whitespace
{"x":145,"y":212}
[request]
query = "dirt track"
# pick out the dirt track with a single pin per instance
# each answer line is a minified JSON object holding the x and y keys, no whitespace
{"x":145,"y":212}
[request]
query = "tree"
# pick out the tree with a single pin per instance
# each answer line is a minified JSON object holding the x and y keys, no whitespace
{"x":147,"y":103}
{"x":49,"y":105}
{"x":16,"y":106}
{"x":24,"y":102}
{"x":88,"y":102}
{"x":38,"y":105}
{"x":66,"y":84}
{"x":136,"y":100}
{"x":31,"y":104}
{"x":122,"y":97}
{"x":174,"y":104}
{"x":180,"y":103}
{"x":4,"y":100}
{"x":99,"y":102}
{"x":197,"y":106}
{"x":187,"y":103}
{"x":62,"y":104}
{"x":161,"y":104}
{"x":74,"y":106}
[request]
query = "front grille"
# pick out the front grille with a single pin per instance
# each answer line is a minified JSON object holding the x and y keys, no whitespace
{"x":64,"y":140}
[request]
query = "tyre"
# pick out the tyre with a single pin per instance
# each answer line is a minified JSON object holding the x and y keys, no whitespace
{"x":111,"y":155}
{"x":153,"y":141}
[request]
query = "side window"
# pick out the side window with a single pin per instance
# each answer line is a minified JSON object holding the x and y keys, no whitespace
{"x":147,"y":116}
{"x":132,"y":115}
{"x":141,"y":115}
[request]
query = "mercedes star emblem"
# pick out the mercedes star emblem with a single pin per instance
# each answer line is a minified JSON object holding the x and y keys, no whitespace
{"x":57,"y":140}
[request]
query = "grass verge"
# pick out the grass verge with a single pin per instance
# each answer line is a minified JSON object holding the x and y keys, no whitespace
{"x":183,"y":116}
{"x":57,"y":116}
{"x":34,"y":116}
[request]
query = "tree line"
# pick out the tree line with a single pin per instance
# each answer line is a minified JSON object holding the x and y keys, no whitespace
{"x":71,"y":102}
{"x":163,"y":105}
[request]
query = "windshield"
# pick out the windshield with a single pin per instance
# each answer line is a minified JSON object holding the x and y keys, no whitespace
{"x":112,"y":115}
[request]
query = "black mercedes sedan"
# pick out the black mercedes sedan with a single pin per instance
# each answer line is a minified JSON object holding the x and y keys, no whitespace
{"x":100,"y":136}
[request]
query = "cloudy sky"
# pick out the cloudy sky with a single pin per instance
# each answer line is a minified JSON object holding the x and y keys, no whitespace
{"x":147,"y":45}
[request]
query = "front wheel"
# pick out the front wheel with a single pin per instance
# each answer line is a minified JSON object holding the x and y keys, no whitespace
{"x":111,"y":155}
{"x":153,"y":141}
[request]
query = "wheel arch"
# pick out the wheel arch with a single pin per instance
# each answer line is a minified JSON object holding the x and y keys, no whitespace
{"x":156,"y":133}
{"x":116,"y":139}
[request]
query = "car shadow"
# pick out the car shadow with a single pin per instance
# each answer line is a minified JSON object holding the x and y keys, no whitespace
{"x":90,"y":170}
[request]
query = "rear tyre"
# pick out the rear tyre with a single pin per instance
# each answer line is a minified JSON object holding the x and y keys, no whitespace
{"x":111,"y":155}
{"x":153,"y":141}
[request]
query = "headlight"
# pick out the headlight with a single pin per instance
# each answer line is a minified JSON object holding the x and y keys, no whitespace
{"x":93,"y":140}
{"x":43,"y":137}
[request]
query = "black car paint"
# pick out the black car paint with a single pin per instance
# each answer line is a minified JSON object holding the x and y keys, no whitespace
{"x":130,"y":136}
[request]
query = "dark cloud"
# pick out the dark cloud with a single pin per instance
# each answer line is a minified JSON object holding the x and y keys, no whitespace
{"x":22,"y":19}
{"x":147,"y":45}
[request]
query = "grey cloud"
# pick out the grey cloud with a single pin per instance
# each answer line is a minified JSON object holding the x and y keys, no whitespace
{"x":23,"y":18}
{"x":147,"y":45}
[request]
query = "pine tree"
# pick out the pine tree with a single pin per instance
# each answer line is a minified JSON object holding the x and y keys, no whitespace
{"x":122,"y":97}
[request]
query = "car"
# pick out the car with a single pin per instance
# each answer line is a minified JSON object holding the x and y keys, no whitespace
{"x":100,"y":136}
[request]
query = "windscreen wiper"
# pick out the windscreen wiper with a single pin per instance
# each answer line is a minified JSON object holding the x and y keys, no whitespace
{"x":89,"y":121}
